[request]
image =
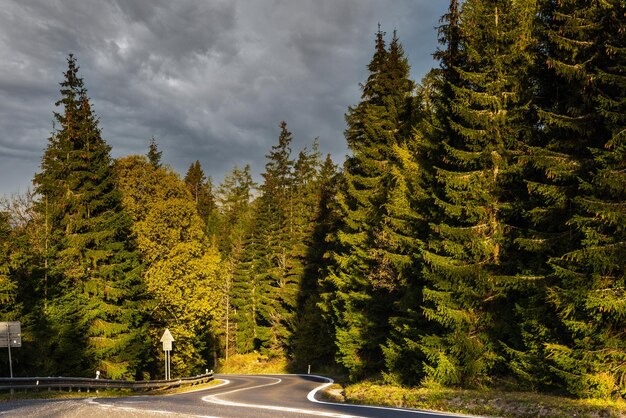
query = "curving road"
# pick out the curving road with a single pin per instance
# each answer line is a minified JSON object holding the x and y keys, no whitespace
{"x":239,"y":396}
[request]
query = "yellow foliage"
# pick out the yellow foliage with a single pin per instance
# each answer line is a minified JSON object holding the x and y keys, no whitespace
{"x":253,"y":363}
{"x":183,"y":269}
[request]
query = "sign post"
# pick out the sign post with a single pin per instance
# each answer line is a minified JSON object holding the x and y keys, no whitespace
{"x":10,"y":336}
{"x":167,"y":340}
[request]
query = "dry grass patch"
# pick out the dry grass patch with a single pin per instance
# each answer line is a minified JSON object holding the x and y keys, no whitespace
{"x":253,"y":363}
{"x":482,"y":402}
{"x":334,"y":393}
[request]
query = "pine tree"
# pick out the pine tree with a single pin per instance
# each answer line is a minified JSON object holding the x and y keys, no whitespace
{"x":307,"y":186}
{"x":250,"y":332}
{"x":467,"y":258}
{"x":234,"y":197}
{"x":414,"y":205}
{"x":367,"y":268}
{"x":305,"y":200}
{"x":585,"y":135}
{"x":268,"y":282}
{"x":312,"y":339}
{"x":409,"y":211}
{"x":94,"y":268}
{"x":154,"y":155}
{"x":201,"y":189}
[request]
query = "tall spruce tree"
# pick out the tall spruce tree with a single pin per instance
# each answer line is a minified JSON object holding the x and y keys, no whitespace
{"x":234,"y":198}
{"x":307,"y":186}
{"x":306,"y":174}
{"x":410,"y":210}
{"x":264,"y":284}
{"x":201,"y":189}
{"x":467,"y":259}
{"x":585,"y":141}
{"x":312,"y":340}
{"x":415,"y":205}
{"x":366,"y":265}
{"x":95,"y":286}
{"x":550,"y":167}
{"x":245,"y":298}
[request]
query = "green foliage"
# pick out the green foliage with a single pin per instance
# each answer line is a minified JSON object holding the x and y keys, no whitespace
{"x":87,"y":255}
{"x":468,"y":256}
{"x":588,"y":291}
{"x":277,"y":259}
{"x":265,"y":284}
{"x":154,"y":155}
{"x":311,"y":328}
{"x":371,"y":255}
{"x":474,"y":237}
{"x":7,"y":283}
{"x":233,"y":198}
{"x":201,"y":189}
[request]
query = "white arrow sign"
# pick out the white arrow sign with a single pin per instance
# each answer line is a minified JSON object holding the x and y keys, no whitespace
{"x":167,"y":340}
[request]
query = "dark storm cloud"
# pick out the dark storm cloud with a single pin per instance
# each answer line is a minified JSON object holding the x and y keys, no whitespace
{"x":210,"y":80}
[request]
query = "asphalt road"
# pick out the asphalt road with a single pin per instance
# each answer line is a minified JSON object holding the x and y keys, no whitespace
{"x":239,"y":396}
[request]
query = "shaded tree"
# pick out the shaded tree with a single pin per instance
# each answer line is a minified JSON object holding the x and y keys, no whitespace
{"x":468,"y":265}
{"x":366,"y":272}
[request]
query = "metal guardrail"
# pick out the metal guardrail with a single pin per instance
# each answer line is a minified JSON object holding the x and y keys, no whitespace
{"x":79,"y":383}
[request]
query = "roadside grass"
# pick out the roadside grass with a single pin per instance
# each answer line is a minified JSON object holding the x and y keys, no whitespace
{"x":101,"y":393}
{"x":253,"y":363}
{"x":476,"y":402}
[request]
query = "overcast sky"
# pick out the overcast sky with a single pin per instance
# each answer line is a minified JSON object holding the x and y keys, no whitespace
{"x":210,"y":80}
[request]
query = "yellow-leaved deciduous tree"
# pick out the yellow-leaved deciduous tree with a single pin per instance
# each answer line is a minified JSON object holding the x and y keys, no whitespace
{"x":183,"y":275}
{"x":183,"y":268}
{"x":142,"y":185}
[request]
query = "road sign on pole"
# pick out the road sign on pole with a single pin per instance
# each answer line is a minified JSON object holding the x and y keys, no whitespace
{"x":10,"y":336}
{"x":167,"y":341}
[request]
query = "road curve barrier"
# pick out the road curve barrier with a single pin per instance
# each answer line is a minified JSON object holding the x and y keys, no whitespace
{"x":80,"y":383}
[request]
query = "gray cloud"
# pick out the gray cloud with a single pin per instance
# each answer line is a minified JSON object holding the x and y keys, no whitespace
{"x":210,"y":80}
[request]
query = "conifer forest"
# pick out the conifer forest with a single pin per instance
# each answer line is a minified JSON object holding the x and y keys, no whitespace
{"x":474,"y":234}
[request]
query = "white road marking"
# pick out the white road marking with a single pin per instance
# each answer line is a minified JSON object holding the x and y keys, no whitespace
{"x":213,"y":399}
